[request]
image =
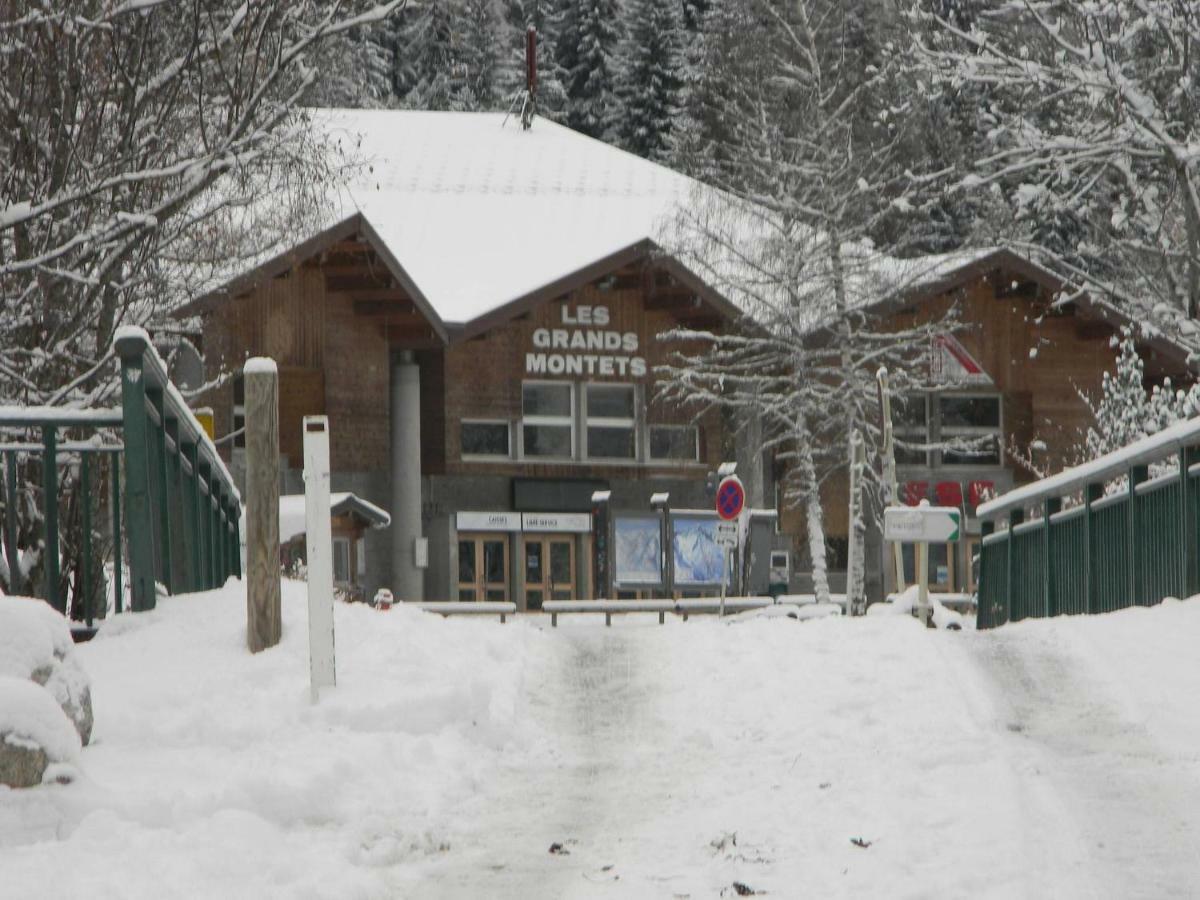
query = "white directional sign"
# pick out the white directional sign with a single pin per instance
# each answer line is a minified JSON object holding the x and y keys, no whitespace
{"x":921,"y":524}
{"x":727,"y":534}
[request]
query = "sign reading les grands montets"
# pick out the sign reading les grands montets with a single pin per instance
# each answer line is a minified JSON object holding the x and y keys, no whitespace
{"x":587,"y":348}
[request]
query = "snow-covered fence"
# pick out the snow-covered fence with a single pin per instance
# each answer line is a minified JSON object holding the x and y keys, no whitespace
{"x":1133,"y":547}
{"x":179,"y":503}
{"x":182,"y":505}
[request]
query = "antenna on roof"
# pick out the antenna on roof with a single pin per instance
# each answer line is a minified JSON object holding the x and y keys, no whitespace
{"x":528,"y":96}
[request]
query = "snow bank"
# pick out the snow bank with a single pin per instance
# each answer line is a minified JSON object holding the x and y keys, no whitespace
{"x":29,"y":717}
{"x":213,"y":773}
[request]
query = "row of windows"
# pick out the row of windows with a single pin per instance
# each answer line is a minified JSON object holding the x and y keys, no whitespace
{"x":966,"y":427}
{"x":563,"y":420}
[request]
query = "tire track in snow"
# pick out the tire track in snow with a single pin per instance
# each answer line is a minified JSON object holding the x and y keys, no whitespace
{"x":591,"y":707}
{"x":1137,"y":822}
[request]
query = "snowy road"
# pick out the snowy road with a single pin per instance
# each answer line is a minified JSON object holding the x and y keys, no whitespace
{"x":1090,"y":767}
{"x":832,"y":758}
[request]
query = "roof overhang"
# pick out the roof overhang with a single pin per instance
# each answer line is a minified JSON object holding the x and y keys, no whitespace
{"x":1007,"y":260}
{"x":355,"y":226}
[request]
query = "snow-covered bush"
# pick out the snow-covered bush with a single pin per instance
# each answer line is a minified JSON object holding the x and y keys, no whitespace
{"x":1125,"y":411}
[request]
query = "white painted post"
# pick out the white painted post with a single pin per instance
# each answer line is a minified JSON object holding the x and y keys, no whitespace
{"x":923,"y":582}
{"x":855,"y":600}
{"x":319,"y":546}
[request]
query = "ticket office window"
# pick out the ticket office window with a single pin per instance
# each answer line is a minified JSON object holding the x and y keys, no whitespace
{"x":483,"y":567}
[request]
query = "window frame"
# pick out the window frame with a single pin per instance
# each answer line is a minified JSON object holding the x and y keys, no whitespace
{"x":907,"y":432}
{"x":948,"y":432}
{"x":550,"y":421}
{"x":613,"y":422}
{"x":694,"y":458}
{"x":462,"y":454}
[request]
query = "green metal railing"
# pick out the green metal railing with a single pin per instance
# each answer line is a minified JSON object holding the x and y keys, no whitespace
{"x":178,"y":502}
{"x":1132,"y":547}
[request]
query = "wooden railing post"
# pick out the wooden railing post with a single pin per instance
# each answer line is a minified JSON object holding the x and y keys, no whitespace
{"x":159,"y":435}
{"x":203,"y":529}
{"x":174,"y":501}
{"x":1051,"y":506}
{"x":1188,"y":456}
{"x":50,"y":516}
{"x":263,"y":619}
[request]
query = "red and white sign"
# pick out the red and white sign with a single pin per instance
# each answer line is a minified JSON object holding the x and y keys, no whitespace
{"x":731,"y":497}
{"x":951,"y":363}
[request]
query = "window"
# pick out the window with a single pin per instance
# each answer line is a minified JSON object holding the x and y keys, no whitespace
{"x":483,"y":438}
{"x":548,"y":423}
{"x":676,"y":442}
{"x":360,"y":557}
{"x":341,"y":560}
{"x":971,"y":429}
{"x":611,"y":426}
{"x":911,"y":426}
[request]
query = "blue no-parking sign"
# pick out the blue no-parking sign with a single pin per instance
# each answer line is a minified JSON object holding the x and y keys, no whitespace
{"x":731,"y":497}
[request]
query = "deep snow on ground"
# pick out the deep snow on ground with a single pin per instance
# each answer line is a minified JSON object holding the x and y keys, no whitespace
{"x":1043,"y":759}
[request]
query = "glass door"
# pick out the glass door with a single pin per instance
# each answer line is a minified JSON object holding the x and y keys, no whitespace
{"x":482,"y":567}
{"x":548,"y":569}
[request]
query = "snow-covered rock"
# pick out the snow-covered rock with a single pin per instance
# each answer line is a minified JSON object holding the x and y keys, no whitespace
{"x":36,"y":645}
{"x":35,"y":733}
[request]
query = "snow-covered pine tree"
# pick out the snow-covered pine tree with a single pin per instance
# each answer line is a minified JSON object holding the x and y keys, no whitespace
{"x":650,"y":75}
{"x":432,"y":72}
{"x":357,"y":69}
{"x":587,"y":33}
{"x":518,"y":16}
{"x":1125,"y":411}
{"x":481,"y":52}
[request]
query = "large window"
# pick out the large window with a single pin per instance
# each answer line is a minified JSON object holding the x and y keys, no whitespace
{"x":548,"y":419}
{"x":611,"y":422}
{"x":341,"y":560}
{"x":674,"y":442}
{"x":970,"y":429}
{"x":485,"y":438}
{"x":911,"y":418}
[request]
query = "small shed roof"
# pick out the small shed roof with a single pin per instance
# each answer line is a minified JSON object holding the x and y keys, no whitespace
{"x":292,"y":520}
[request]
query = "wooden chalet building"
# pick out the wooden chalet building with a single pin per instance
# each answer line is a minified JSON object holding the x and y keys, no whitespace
{"x":1012,"y":375}
{"x":481,"y":328}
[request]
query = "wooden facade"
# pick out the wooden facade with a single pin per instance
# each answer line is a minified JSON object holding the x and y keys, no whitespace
{"x":1040,"y":356}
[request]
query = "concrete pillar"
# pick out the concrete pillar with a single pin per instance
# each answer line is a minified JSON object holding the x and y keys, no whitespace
{"x":408,"y":582}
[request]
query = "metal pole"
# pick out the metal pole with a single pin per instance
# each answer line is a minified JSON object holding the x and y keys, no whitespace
{"x":85,"y":487}
{"x":50,"y":510}
{"x":118,"y":549}
{"x":10,"y":524}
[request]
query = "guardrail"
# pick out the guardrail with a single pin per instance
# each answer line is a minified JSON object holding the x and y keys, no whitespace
{"x":446,"y":608}
{"x":1129,"y":548}
{"x":180,"y":506}
{"x":691,"y":606}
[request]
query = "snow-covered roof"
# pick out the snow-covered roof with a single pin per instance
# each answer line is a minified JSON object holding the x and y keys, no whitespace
{"x":292,"y":523}
{"x":479,"y":213}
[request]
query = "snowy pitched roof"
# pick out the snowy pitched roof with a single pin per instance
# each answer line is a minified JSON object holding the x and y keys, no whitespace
{"x":292,"y":522}
{"x":476,"y":213}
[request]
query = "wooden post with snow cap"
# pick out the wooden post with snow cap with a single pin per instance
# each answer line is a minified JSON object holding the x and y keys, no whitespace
{"x":318,"y":538}
{"x":263,"y":617}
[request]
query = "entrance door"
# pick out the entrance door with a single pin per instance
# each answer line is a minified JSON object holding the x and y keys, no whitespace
{"x":548,"y":567}
{"x":483,"y":567}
